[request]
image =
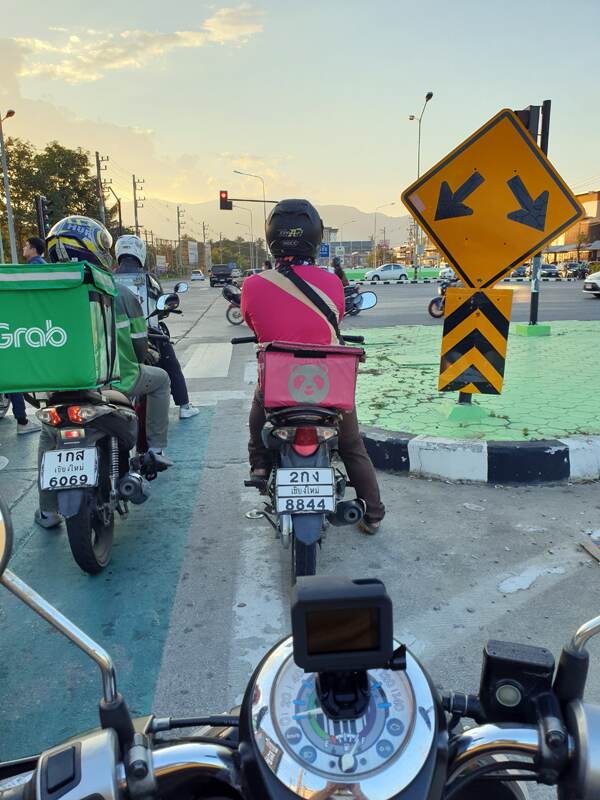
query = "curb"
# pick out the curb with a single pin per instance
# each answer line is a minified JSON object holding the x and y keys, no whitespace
{"x":437,"y":280}
{"x":476,"y":460}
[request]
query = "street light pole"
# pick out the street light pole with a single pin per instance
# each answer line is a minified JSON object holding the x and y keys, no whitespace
{"x":262,"y":180}
{"x":252,"y":252}
{"x":428,"y":97}
{"x":342,"y":226}
{"x":384,"y":205}
{"x":9,"y":214}
{"x":243,"y":225}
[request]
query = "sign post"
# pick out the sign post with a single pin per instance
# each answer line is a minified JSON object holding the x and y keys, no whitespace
{"x":490,"y":204}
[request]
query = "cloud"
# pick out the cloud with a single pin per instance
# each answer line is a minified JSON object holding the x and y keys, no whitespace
{"x":76,"y":59}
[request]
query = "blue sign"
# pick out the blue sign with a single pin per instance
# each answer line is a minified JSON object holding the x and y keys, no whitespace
{"x":232,"y":264}
{"x":324,"y":252}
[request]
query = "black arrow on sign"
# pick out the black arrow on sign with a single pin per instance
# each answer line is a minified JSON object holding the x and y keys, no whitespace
{"x":451,"y":204}
{"x":532,"y":212}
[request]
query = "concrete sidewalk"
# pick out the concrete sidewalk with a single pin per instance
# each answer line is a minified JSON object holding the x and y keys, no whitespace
{"x":547,"y":412}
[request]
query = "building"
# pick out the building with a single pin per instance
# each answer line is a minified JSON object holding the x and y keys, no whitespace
{"x":580,"y":242}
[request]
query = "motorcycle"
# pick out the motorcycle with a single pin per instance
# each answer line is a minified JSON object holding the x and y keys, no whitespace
{"x":305,"y":489}
{"x":4,"y":405}
{"x":338,"y":709}
{"x":437,"y":305}
{"x":352,"y":308}
{"x":233,"y":295}
{"x":89,"y":465}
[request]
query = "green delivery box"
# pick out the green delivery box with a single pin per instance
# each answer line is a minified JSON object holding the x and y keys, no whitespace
{"x":57,"y":327}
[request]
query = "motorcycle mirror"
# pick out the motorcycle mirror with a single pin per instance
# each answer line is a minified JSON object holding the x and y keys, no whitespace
{"x":366,"y":300}
{"x":6,"y":536}
{"x":181,"y":288}
{"x":167,"y":302}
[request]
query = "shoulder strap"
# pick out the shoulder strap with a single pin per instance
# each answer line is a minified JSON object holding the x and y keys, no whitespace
{"x":311,"y":295}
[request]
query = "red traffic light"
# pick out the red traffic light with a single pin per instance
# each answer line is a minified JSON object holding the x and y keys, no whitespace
{"x":224,"y":203}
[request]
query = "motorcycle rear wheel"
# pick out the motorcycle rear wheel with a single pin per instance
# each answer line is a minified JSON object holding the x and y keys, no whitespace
{"x":234,"y":315}
{"x":90,"y":536}
{"x":304,"y":559}
{"x":436,"y":308}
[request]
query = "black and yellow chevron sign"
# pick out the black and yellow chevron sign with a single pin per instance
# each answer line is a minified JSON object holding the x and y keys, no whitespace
{"x":474,"y":341}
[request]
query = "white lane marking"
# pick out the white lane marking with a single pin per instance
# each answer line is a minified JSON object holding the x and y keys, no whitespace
{"x":212,"y":398}
{"x":3,"y":462}
{"x":209,"y":360}
{"x":251,"y":373}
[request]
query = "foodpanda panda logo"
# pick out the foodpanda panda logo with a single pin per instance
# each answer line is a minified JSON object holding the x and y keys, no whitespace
{"x":34,"y":337}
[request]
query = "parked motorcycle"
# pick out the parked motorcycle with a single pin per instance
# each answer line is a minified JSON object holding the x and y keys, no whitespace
{"x":437,"y":305}
{"x":91,"y":466}
{"x":339,"y":709}
{"x":233,"y":295}
{"x":306,"y":388}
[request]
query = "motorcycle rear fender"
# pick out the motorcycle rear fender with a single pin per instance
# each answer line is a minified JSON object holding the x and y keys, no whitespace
{"x":308,"y":527}
{"x":71,"y":501}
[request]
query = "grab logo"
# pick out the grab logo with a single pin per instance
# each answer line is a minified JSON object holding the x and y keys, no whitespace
{"x":32,"y":337}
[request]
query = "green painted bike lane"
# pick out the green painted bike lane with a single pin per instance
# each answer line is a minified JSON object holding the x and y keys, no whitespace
{"x":48,"y":689}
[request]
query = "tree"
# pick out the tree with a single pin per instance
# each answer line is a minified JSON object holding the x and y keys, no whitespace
{"x":63,"y":175}
{"x":580,"y":240}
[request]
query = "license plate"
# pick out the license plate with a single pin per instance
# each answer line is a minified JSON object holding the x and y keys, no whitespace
{"x":69,"y":468}
{"x":309,"y":491}
{"x":587,"y":286}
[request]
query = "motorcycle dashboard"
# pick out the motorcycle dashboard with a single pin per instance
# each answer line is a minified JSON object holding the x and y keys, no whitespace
{"x":309,"y":751}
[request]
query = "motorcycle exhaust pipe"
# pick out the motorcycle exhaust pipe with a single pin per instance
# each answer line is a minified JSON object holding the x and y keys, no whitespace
{"x":348,"y":512}
{"x":134,"y":488}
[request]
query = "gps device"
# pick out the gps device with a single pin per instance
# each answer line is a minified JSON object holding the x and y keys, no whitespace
{"x":340,"y":624}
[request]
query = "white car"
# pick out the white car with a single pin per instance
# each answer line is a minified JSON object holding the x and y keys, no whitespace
{"x":387,"y":272}
{"x":591,"y":284}
{"x":446,"y":274}
{"x":197,"y":275}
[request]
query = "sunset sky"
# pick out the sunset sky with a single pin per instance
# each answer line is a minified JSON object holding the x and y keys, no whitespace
{"x":313,"y":95}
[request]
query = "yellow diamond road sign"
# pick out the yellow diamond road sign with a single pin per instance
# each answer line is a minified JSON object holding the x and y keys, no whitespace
{"x":493,"y":201}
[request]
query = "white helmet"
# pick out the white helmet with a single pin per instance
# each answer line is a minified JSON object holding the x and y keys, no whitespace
{"x":131,"y":246}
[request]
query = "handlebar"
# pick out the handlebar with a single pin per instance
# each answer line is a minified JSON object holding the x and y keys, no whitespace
{"x":244,"y":340}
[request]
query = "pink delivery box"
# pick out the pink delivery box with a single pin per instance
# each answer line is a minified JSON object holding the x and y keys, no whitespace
{"x":293,"y":374}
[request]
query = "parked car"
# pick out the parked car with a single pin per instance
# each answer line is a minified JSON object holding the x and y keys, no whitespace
{"x":519,"y":272}
{"x":447,"y":274}
{"x":387,"y":272}
{"x":574,"y":269}
{"x":592,"y":284}
{"x":197,"y":275}
{"x":222,"y":274}
{"x":546,"y":271}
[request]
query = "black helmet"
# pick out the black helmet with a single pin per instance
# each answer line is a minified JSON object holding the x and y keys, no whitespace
{"x":294,"y":228}
{"x":336,"y":262}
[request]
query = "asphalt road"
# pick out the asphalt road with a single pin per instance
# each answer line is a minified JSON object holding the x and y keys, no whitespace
{"x":197,"y":592}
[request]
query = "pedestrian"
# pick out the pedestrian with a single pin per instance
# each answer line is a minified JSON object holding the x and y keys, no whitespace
{"x":33,"y":250}
{"x":267,"y":265}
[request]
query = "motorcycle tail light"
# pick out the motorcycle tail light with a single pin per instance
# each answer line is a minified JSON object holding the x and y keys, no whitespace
{"x":49,"y":416}
{"x":81,"y":414}
{"x":73,"y":433}
{"x":325,"y":434}
{"x":306,"y":441}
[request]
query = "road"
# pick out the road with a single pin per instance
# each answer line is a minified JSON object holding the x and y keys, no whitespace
{"x":197,"y":592}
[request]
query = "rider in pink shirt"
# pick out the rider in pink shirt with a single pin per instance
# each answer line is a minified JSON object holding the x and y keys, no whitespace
{"x":276,"y":310}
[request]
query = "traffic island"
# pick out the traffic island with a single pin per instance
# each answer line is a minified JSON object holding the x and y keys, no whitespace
{"x":545,"y":426}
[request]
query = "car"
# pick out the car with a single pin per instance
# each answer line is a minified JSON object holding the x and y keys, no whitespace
{"x":549,"y":271}
{"x":446,"y":274}
{"x":387,"y":272}
{"x":574,"y":269}
{"x":592,"y":284}
{"x":236,"y":273}
{"x":519,"y":272}
{"x":197,"y":275}
{"x":222,"y":274}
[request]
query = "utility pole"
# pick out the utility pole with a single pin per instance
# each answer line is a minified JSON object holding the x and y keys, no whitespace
{"x":137,"y":201}
{"x":180,"y":215}
{"x":118,"y":199}
{"x":100,"y":183}
{"x":9,"y":214}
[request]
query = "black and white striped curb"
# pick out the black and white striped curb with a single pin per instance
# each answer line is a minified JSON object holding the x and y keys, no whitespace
{"x":543,"y":461}
{"x":437,"y":280}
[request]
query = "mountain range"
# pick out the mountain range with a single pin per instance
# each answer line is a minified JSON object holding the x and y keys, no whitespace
{"x":160,"y":217}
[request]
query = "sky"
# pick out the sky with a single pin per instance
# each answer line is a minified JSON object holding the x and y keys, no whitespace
{"x":315,"y":96}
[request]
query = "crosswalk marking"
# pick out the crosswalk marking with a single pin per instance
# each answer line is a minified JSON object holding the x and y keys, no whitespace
{"x":209,"y":360}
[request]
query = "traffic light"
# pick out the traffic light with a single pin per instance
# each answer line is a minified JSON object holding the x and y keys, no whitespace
{"x":224,"y":203}
{"x":42,"y":207}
